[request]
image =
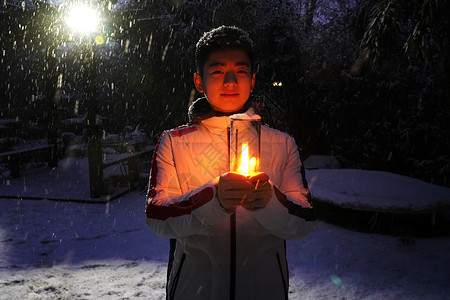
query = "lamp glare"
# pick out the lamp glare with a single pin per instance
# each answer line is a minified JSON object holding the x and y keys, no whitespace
{"x":83,"y":19}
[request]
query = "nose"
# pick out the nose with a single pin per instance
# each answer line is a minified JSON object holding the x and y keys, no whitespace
{"x":230,"y":79}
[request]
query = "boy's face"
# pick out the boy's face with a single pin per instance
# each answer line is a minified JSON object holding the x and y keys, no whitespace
{"x":227,"y":80}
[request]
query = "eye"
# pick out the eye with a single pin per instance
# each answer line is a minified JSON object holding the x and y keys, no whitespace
{"x":242,"y":71}
{"x":216,"y":72}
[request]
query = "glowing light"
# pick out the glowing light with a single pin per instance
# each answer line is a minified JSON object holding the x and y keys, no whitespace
{"x":83,"y":19}
{"x":248,"y":165}
{"x":277,"y":83}
{"x":337,"y":281}
{"x":244,"y":144}
{"x":99,"y":40}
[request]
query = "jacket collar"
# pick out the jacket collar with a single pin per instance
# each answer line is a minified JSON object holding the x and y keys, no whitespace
{"x":201,"y":110}
{"x":220,"y":124}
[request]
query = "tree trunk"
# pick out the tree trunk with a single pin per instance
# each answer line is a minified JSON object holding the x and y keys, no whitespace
{"x":310,"y":9}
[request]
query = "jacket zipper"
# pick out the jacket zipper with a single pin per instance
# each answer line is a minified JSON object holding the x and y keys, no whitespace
{"x":177,"y":277}
{"x":282,"y":277}
{"x":233,"y":256}
{"x":232,"y":239}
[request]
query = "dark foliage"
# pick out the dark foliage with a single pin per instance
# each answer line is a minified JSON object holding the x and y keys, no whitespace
{"x":366,"y":82}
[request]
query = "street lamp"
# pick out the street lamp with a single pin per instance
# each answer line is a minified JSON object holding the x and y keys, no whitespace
{"x":84,"y":20}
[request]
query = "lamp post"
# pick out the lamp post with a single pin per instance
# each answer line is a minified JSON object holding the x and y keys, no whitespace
{"x":84,"y":21}
{"x":52,"y":98}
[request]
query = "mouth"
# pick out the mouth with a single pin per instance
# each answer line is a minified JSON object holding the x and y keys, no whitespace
{"x":230,"y":95}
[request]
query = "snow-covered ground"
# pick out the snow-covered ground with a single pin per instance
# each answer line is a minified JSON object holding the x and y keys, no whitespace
{"x":70,"y":250}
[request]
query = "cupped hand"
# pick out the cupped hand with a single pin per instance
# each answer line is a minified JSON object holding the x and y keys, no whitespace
{"x":251,"y":192}
{"x":232,"y":190}
{"x":261,"y":192}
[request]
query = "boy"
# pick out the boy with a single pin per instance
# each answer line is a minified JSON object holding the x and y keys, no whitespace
{"x":230,"y":231}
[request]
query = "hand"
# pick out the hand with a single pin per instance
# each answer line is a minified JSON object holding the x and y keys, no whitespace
{"x":233,"y":190}
{"x":252,"y":192}
{"x":261,"y":192}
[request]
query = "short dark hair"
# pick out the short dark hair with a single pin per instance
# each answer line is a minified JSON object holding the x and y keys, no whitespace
{"x":221,"y":39}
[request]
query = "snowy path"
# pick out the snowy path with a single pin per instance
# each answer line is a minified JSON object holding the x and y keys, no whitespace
{"x":64,"y":250}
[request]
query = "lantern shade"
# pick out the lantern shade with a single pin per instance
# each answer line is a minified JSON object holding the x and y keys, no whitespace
{"x":245,"y":143}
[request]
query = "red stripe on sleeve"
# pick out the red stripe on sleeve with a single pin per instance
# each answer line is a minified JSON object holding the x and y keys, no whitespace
{"x":309,"y":214}
{"x":154,"y":171}
{"x":182,"y":130}
{"x":161,"y":212}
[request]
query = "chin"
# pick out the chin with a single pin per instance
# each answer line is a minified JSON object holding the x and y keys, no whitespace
{"x":229,"y":109}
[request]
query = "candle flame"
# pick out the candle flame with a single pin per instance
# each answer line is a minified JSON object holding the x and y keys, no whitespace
{"x":248,"y":165}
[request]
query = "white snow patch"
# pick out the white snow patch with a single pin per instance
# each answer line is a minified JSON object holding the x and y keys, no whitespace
{"x":376,"y":190}
{"x":68,"y":250}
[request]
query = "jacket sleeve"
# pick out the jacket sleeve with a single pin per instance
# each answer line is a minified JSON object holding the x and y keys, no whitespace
{"x":289,"y":213}
{"x":169,"y":212}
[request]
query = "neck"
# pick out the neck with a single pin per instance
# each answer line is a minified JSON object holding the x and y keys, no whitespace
{"x":201,"y":110}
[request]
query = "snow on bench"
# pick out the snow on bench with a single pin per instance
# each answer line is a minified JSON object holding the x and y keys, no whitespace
{"x":14,"y":159}
{"x":376,"y":190}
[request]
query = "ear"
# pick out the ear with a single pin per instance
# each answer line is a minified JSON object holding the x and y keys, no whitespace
{"x":198,"y":82}
{"x":253,"y":82}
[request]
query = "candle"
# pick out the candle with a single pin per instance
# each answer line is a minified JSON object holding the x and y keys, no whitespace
{"x":248,"y":165}
{"x":245,"y":135}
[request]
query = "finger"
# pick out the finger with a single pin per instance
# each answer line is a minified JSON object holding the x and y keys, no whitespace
{"x":262,"y":186}
{"x":259,"y":198}
{"x":238,"y":195}
{"x":233,"y":201}
{"x":236,"y":184}
{"x":260,"y":195}
{"x":230,"y":176}
{"x":236,"y":188}
{"x":264,"y":190}
{"x":259,"y":177}
{"x":244,"y":199}
{"x":255,"y":204}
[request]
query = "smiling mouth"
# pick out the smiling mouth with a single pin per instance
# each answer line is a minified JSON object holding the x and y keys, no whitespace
{"x":230,"y":94}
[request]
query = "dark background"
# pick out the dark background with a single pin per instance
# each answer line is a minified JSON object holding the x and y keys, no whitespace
{"x":365,"y":81}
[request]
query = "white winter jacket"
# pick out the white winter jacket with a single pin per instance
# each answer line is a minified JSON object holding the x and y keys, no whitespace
{"x":222,"y":255}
